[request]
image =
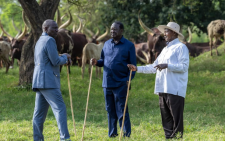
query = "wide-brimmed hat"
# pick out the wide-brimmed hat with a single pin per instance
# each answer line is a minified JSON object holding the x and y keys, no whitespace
{"x":172,"y":26}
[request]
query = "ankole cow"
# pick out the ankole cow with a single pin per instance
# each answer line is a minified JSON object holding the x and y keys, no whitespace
{"x":215,"y":29}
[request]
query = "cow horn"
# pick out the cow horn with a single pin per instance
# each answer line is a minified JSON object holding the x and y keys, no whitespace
{"x":25,"y":20}
{"x":142,"y":33}
{"x":18,"y":34}
{"x":89,"y":32}
{"x":80,"y":27}
{"x":7,"y":34}
{"x":190,"y":35}
{"x":63,"y":17}
{"x":103,"y":35}
{"x":1,"y":35}
{"x":144,"y":26}
{"x":58,"y":19}
{"x":97,"y":33}
{"x":15,"y":26}
{"x":20,"y":37}
{"x":141,"y":59}
{"x":146,"y":56}
{"x":66,"y":24}
{"x":74,"y":28}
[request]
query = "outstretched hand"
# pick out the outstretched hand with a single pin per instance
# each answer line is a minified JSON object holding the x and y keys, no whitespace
{"x":161,"y":66}
{"x":132,"y":67}
{"x":93,"y":61}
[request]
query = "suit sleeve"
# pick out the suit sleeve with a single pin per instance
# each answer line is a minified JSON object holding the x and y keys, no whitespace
{"x":52,"y":53}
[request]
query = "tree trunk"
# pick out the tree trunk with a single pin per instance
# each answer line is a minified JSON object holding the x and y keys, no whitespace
{"x":36,"y":14}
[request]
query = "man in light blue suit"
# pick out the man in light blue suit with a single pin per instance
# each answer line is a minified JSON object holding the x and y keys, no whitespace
{"x":46,"y":82}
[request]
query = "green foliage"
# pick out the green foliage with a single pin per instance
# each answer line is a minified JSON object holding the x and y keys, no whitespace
{"x":11,"y":10}
{"x":203,"y":114}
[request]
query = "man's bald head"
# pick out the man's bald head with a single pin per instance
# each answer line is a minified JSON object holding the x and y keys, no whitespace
{"x":50,"y":27}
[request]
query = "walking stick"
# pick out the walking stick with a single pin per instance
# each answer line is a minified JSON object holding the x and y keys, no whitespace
{"x":87,"y":103}
{"x":71,"y":103}
{"x":125,"y":107}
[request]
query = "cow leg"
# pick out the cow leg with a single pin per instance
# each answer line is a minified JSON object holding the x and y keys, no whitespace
{"x":69,"y":68}
{"x":210,"y":44}
{"x":89,"y":70}
{"x":18,"y":62}
{"x":12,"y":62}
{"x":7,"y":65}
{"x":61,"y":68}
{"x":215,"y":45}
{"x":82,"y":70}
{"x":96,"y":71}
{"x":1,"y":65}
{"x":99,"y":72}
{"x":151,"y":60}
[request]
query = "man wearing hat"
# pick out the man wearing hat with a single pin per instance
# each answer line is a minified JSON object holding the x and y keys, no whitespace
{"x":171,"y":68}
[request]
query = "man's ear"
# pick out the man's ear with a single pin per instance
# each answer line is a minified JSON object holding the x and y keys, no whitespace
{"x":121,"y":30}
{"x":46,"y":29}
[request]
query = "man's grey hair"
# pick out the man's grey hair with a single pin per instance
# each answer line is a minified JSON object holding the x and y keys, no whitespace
{"x":47,"y":23}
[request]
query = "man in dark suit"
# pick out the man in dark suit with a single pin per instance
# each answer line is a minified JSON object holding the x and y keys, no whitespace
{"x":46,"y":82}
{"x":116,"y":54}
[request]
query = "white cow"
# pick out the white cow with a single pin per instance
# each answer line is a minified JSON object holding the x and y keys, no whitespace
{"x":91,"y":50}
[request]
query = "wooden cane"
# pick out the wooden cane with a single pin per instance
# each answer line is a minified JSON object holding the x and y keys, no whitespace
{"x":71,"y":103}
{"x":87,"y":103}
{"x":125,"y":107}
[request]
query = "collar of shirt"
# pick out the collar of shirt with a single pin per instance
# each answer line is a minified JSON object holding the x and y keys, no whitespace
{"x":44,"y":34}
{"x":122,"y":40}
{"x":172,"y":42}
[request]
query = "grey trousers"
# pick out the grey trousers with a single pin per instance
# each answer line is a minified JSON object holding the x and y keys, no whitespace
{"x":44,"y":98}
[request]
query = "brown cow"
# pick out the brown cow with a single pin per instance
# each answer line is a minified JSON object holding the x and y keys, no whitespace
{"x":16,"y":43}
{"x":215,"y":29}
{"x":79,"y":41}
{"x":155,"y":41}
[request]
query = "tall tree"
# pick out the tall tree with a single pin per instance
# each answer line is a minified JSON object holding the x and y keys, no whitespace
{"x":36,"y":13}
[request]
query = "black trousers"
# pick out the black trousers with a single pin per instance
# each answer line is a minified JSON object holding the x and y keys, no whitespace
{"x":172,"y":108}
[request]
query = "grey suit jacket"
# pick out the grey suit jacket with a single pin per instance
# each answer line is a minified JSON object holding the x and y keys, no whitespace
{"x":47,"y":61}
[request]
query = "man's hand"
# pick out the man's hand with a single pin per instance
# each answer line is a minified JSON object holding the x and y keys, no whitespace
{"x":93,"y":61}
{"x":132,"y":67}
{"x":69,"y":62}
{"x":161,"y":66}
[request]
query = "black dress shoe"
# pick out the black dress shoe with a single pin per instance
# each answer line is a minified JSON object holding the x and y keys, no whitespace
{"x":113,"y":135}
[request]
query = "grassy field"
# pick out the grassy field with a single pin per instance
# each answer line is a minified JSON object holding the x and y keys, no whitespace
{"x":204,"y":114}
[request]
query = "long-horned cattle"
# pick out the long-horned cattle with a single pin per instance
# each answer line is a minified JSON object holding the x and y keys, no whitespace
{"x":215,"y":29}
{"x":64,"y":40}
{"x":155,"y":41}
{"x":92,"y":50}
{"x":79,"y":41}
{"x":4,"y":54}
{"x":16,"y":43}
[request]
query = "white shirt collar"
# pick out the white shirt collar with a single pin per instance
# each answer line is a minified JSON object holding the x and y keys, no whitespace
{"x":172,"y":42}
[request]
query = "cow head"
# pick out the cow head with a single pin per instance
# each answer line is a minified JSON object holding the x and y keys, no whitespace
{"x":18,"y":42}
{"x":158,"y":43}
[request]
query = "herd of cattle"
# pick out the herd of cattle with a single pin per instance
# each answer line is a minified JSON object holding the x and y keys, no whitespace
{"x":82,"y":47}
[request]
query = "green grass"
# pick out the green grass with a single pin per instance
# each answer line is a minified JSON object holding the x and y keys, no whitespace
{"x":203,"y":115}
